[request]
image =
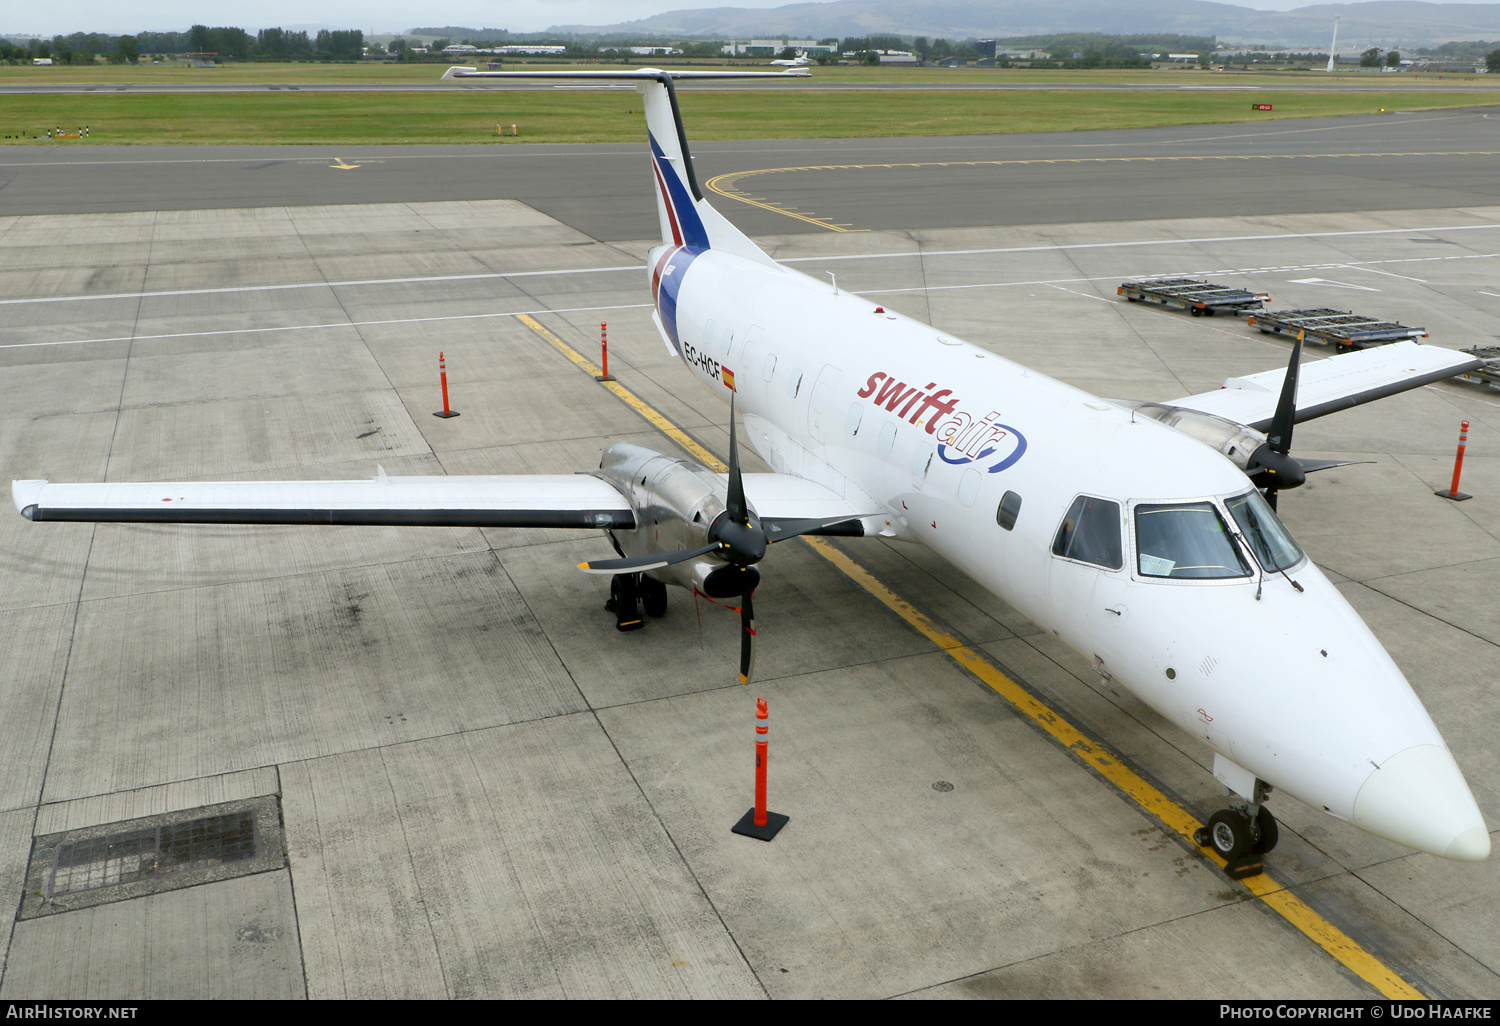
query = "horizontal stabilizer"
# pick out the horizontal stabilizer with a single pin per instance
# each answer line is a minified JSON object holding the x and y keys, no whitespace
{"x":561,"y":500}
{"x":1328,"y":386}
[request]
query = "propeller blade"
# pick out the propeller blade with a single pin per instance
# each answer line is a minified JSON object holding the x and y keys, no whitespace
{"x":1270,"y":494}
{"x":1310,"y":465}
{"x":735,"y":504}
{"x":747,"y":641}
{"x":781,"y":530}
{"x":635,"y":564}
{"x":1280,"y":435}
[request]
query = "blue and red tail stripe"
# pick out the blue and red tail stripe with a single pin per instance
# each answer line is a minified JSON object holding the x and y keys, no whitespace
{"x":682,"y":211}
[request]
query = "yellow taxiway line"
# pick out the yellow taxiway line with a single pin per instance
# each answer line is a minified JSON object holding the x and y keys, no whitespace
{"x":1094,"y":755}
{"x":728,"y":184}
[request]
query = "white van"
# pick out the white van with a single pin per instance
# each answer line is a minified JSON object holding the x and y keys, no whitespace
{"x":39,"y":61}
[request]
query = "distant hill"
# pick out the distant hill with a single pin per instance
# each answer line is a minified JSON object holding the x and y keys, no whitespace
{"x":1379,"y":22}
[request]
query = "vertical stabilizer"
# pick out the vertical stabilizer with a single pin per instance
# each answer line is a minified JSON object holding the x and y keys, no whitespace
{"x":686,"y":218}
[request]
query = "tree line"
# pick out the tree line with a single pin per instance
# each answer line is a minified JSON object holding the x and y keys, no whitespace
{"x":273,"y":44}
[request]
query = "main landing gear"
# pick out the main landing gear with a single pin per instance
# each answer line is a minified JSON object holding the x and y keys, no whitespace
{"x":629,"y":594}
{"x":1241,"y":834}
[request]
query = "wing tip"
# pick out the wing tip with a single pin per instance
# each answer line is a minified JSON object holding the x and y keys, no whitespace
{"x":27,"y":496}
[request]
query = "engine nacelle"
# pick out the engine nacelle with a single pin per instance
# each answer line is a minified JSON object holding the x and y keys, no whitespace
{"x":1234,"y":441}
{"x":675,"y":501}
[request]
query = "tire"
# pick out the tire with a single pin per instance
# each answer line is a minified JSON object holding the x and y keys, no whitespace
{"x":1269,"y":834}
{"x":1197,"y":312}
{"x":1229,"y":834}
{"x":1208,"y":312}
{"x":653,"y":597}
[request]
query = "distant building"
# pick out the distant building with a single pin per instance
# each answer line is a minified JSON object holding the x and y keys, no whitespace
{"x":460,"y":48}
{"x":886,"y":56}
{"x":1025,"y":55}
{"x":524,"y":49}
{"x":772,"y":47}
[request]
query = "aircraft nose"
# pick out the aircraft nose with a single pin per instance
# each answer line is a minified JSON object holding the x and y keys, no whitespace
{"x":1419,"y":798}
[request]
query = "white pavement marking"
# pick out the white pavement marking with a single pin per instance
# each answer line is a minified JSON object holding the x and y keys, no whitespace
{"x":1364,"y":265}
{"x":322,"y":285}
{"x":1330,"y":283}
{"x":1374,"y":270}
{"x":1140,"y":242}
{"x":342,"y":324}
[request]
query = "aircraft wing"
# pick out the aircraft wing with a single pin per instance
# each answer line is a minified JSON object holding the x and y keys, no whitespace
{"x":531,"y":500}
{"x":1328,"y":386}
{"x":560,"y":500}
{"x":788,"y":504}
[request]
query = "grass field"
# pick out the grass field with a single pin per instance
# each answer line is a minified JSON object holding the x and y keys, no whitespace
{"x":546,"y":116}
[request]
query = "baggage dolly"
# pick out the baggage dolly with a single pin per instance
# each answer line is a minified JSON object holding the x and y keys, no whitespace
{"x":1197,"y":297}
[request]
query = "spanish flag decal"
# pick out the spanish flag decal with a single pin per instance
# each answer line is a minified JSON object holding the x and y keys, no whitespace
{"x":728,"y":376}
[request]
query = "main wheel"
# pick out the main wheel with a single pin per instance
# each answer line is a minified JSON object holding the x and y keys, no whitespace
{"x":1229,"y":833}
{"x":653,"y":596}
{"x":1269,"y":835}
{"x":1196,"y":312}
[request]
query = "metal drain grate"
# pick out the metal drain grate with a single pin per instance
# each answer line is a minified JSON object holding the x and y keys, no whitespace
{"x":138,"y":854}
{"x":118,"y":861}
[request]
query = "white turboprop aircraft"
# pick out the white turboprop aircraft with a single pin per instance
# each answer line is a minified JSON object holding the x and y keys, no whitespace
{"x":1142,"y":534}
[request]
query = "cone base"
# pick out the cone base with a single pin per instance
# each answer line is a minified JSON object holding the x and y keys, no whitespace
{"x":1455,"y":496}
{"x":445,"y":414}
{"x":774,"y":822}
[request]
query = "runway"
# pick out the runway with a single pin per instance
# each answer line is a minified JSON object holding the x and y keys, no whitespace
{"x":480,"y":789}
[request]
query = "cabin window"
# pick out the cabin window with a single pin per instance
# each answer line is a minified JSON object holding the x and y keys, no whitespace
{"x":887,"y":438}
{"x":1188,"y":540}
{"x":968,"y":487}
{"x":770,"y":367}
{"x":728,"y":343}
{"x":1010,"y":505}
{"x":1090,"y":533}
{"x":708,"y":337}
{"x":921,"y":461}
{"x":856,"y":414}
{"x":1266,"y":535}
{"x":794,"y":382}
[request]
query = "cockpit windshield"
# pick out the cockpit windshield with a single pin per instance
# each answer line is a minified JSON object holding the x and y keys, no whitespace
{"x":1185,"y":540}
{"x":1264,"y":531}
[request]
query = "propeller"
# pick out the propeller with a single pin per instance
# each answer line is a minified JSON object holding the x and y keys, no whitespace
{"x":1272,"y":467}
{"x":736,"y":536}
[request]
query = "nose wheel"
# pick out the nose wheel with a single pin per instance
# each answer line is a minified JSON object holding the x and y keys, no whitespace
{"x":1240,"y":837}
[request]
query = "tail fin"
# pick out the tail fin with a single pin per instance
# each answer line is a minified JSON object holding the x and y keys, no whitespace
{"x":686,"y":217}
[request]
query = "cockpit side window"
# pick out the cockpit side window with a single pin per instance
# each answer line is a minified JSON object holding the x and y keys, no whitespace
{"x":1090,"y":533}
{"x":1266,"y":535}
{"x":1185,"y":540}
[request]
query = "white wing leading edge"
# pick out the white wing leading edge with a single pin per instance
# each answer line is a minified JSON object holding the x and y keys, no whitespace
{"x":561,"y":500}
{"x":1328,"y":386}
{"x":531,"y":500}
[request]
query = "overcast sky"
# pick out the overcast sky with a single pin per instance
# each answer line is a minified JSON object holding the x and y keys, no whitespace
{"x":378,"y":16}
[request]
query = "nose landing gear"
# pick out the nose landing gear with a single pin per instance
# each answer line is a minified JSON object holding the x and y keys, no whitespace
{"x":1240,"y":835}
